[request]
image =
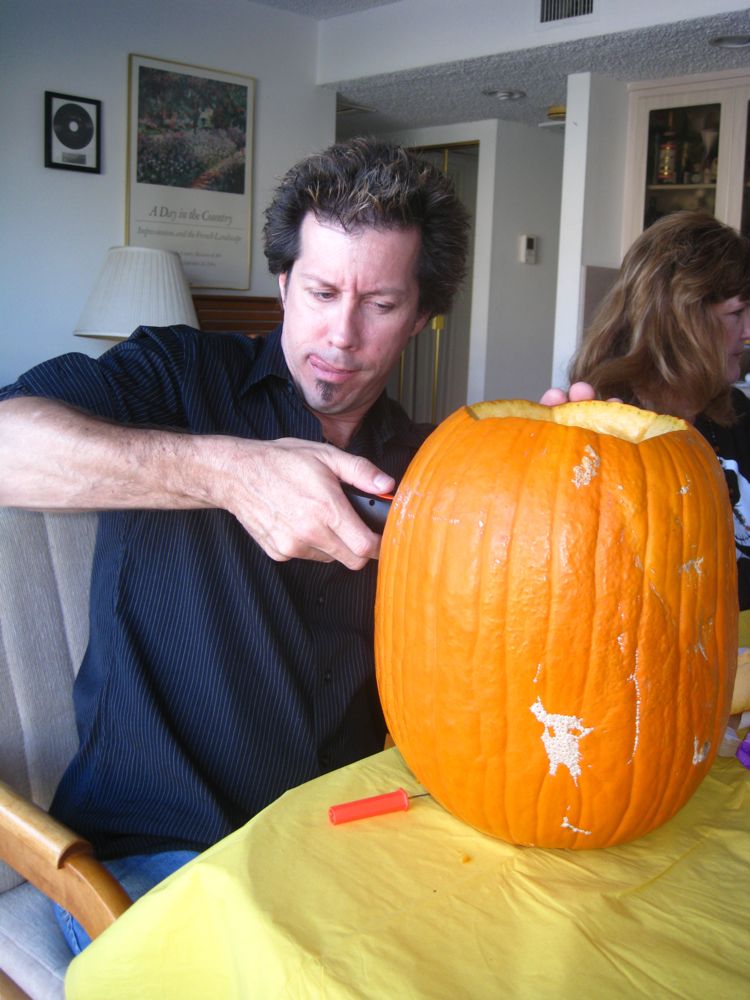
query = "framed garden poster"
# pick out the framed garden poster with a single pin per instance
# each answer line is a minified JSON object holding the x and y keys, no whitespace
{"x":189,"y":168}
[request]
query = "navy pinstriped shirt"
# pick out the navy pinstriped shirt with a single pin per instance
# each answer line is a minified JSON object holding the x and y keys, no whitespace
{"x":215,"y":678}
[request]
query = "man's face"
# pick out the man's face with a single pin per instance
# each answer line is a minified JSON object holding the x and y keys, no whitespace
{"x":350,"y":307}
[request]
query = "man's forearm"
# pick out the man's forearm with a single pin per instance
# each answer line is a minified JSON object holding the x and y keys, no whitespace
{"x":286,"y":493}
{"x":55,"y":457}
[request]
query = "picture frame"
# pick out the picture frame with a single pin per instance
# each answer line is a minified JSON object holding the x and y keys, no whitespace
{"x":72,"y":132}
{"x":189,"y":176}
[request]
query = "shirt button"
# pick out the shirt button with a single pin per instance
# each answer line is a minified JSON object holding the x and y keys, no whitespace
{"x":320,"y":600}
{"x":327,"y":676}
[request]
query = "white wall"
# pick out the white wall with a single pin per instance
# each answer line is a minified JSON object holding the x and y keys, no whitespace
{"x":57,"y":224}
{"x":512,"y":305}
{"x":592,"y":200}
{"x":522,"y":304}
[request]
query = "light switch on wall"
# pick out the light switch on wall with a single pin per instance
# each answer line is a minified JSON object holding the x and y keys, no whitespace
{"x":527,"y":249}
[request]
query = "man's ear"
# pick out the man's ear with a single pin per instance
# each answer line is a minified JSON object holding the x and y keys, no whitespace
{"x":282,"y":286}
{"x":420,"y":323}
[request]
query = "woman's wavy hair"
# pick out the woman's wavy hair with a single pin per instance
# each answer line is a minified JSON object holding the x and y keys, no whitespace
{"x":655,"y":341}
{"x":366,"y":182}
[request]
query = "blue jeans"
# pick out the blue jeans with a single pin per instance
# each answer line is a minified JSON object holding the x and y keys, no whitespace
{"x":137,"y":874}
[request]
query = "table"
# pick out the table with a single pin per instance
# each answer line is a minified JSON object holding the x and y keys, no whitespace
{"x":418,"y":905}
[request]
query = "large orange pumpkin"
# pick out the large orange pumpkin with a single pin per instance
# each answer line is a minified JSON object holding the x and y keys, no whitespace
{"x":556,"y":619}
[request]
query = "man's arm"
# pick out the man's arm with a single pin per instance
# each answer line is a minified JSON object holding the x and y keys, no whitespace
{"x":285,"y":493}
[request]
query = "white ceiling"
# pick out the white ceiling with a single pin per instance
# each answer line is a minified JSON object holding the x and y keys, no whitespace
{"x":451,"y":92}
{"x":321,"y":9}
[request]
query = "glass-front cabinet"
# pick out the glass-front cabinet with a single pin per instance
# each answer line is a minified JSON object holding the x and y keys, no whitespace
{"x":745,"y":220}
{"x":688,"y":149}
{"x":682,"y":160}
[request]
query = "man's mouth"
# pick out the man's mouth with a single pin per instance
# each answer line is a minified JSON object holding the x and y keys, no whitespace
{"x":329,"y":372}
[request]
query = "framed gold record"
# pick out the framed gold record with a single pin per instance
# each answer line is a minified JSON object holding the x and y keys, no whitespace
{"x":72,"y":132}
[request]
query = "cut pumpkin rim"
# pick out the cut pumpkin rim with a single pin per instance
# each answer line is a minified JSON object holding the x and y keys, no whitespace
{"x":621,"y":420}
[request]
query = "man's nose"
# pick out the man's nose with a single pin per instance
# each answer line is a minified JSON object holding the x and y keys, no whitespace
{"x":344,"y":331}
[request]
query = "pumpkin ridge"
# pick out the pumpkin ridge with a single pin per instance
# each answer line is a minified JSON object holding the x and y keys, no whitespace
{"x":516,"y":529}
{"x":470,"y":626}
{"x":516,"y":539}
{"x":711,"y":666}
{"x":711,"y":669}
{"x":690,"y":677}
{"x":587,"y":819}
{"x":569,"y":567}
{"x":636,"y":542}
{"x":551,"y":695}
{"x":548,"y":787}
{"x":484,"y":738}
{"x":644,"y":791}
{"x":689,"y":613}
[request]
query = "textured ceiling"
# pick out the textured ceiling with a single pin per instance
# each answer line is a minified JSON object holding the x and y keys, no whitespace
{"x":321,"y":9}
{"x":452,"y":92}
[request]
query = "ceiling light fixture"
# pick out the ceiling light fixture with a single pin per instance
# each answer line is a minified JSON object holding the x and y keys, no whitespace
{"x":555,"y":116}
{"x":730,"y":41}
{"x":504,"y":95}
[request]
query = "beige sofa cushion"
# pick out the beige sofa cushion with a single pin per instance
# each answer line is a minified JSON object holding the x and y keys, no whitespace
{"x":45,"y":572}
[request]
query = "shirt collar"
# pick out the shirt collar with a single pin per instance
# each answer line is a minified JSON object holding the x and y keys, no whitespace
{"x":384,"y":420}
{"x":270,"y":361}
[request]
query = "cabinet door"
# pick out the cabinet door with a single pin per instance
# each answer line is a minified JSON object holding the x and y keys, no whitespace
{"x":682,"y":160}
{"x":681,"y":153}
{"x":745,"y":165}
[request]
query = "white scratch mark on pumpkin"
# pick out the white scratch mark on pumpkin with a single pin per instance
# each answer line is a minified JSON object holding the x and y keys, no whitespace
{"x":694,"y":565}
{"x":538,"y":672}
{"x":700,"y":752}
{"x":567,"y":825}
{"x":561,"y":738}
{"x":636,"y":685}
{"x":683,"y":490}
{"x":585,"y":472}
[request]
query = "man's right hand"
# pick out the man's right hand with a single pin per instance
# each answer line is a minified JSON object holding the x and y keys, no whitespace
{"x":287,"y":494}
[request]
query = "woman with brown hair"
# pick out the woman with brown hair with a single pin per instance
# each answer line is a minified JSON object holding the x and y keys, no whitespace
{"x":669,"y":337}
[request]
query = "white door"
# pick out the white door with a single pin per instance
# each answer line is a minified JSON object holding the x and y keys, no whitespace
{"x":431,"y":380}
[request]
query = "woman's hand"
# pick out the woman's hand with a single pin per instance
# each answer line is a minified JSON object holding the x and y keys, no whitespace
{"x":577,"y":393}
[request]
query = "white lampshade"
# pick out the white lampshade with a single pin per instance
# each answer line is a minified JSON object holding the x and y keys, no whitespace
{"x":137,"y":286}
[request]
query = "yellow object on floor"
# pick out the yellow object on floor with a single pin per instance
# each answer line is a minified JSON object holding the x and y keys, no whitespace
{"x":416,"y":904}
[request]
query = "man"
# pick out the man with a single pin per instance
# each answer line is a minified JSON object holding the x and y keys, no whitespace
{"x":230,"y":655}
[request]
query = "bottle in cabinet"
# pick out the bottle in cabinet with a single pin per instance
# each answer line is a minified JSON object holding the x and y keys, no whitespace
{"x":682,"y":161}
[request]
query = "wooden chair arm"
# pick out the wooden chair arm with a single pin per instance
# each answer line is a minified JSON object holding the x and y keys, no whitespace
{"x":57,"y":861}
{"x":10,"y":990}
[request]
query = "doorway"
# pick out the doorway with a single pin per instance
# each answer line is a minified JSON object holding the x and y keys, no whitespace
{"x":431,"y":378}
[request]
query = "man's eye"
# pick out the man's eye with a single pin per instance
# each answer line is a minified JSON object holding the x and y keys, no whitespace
{"x":322,"y":295}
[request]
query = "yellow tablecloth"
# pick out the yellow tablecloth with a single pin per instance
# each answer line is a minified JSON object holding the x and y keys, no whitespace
{"x":418,"y":905}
